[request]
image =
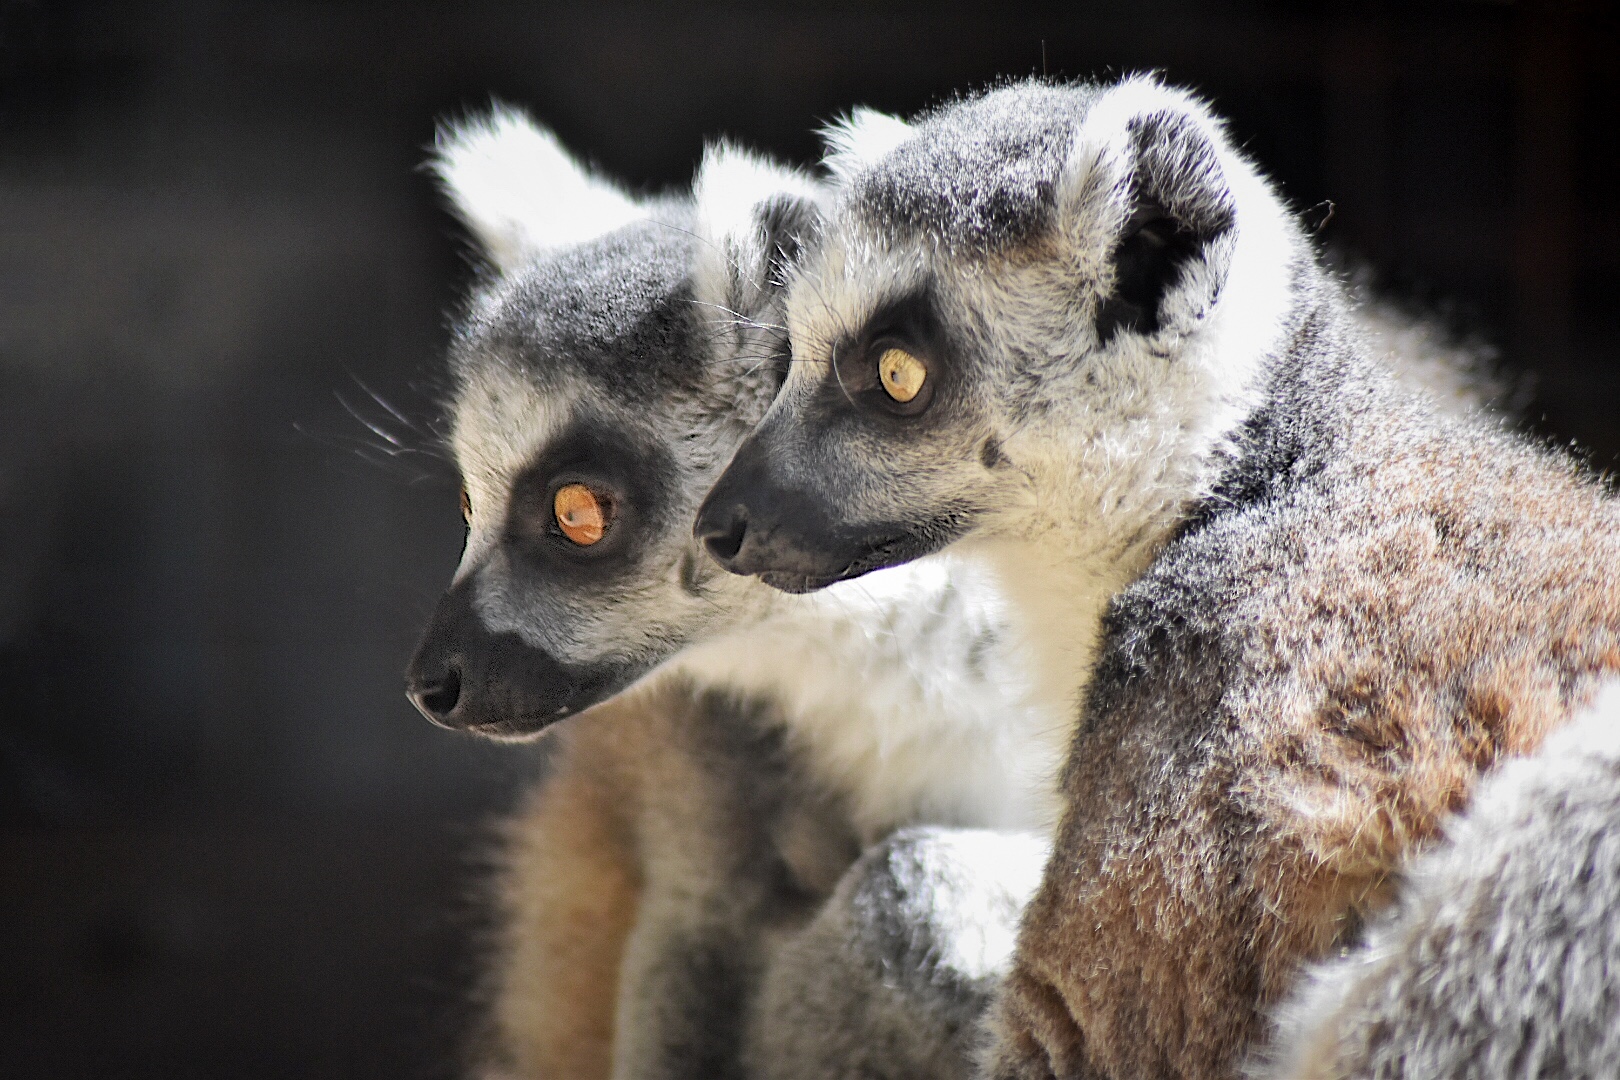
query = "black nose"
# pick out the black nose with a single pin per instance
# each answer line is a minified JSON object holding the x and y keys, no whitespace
{"x":435,"y":693}
{"x":722,"y":531}
{"x":466,"y":677}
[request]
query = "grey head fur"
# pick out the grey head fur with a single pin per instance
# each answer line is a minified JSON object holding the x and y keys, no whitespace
{"x":620,"y":344}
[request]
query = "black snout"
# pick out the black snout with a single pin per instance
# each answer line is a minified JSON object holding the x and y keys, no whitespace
{"x":794,"y":538}
{"x":751,"y":525}
{"x":435,"y":693}
{"x":467,"y":677}
{"x":723,"y":532}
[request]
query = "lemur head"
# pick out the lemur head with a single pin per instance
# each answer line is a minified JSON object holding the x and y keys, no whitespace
{"x":615,"y":357}
{"x":1044,"y":303}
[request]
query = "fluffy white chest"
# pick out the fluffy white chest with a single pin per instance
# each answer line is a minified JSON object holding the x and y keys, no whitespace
{"x":908,"y":694}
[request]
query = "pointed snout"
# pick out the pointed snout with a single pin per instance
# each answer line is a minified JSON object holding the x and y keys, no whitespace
{"x":730,"y":525}
{"x":751,"y":525}
{"x":791,"y":534}
{"x":466,"y":677}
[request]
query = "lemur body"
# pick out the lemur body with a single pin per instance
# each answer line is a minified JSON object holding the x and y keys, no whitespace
{"x":1071,"y":329}
{"x":689,"y":830}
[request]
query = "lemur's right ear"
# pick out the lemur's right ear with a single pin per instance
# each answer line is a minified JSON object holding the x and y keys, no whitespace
{"x":1149,"y":195}
{"x":753,"y":218}
{"x":859,"y":139}
{"x":519,"y":191}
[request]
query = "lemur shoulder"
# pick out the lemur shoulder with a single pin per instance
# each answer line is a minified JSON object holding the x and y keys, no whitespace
{"x":1499,"y":957}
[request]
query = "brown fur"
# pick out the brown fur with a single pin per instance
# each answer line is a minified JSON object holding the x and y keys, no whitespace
{"x":567,"y":899}
{"x":1440,"y":598}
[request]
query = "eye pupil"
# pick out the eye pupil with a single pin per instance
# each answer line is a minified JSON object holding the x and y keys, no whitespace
{"x":580,"y":514}
{"x":902,"y":374}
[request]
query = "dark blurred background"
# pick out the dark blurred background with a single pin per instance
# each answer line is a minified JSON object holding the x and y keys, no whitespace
{"x":227,"y":845}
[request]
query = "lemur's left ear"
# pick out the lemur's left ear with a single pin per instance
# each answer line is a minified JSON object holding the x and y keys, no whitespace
{"x":1148,"y":189}
{"x":519,"y":191}
{"x":754,"y":216}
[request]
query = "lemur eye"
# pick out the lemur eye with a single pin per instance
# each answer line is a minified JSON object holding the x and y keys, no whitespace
{"x":582,"y":516}
{"x":466,"y":505}
{"x":902,"y":374}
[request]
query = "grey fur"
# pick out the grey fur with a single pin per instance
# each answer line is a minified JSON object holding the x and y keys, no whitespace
{"x":979,"y":175}
{"x":600,"y":309}
{"x":1501,"y":958}
{"x":893,"y":976}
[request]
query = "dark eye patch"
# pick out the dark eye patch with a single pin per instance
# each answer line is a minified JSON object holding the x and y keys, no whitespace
{"x":638,"y":478}
{"x":909,"y":323}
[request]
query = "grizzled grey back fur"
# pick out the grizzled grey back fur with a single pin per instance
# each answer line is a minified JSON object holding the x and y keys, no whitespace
{"x":1501,"y":958}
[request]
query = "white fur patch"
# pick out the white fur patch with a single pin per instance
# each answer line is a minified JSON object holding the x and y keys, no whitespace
{"x":519,"y":191}
{"x":501,"y":422}
{"x":905,"y":690}
{"x":975,"y":875}
{"x":731,"y":186}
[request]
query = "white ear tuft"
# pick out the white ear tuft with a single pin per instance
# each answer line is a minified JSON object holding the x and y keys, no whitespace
{"x":750,"y":210}
{"x":519,"y":191}
{"x":732,"y":184}
{"x":859,"y":139}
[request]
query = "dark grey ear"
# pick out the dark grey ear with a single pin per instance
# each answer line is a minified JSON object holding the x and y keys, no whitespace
{"x":1151,"y":189}
{"x":754,"y":217}
{"x":788,"y":223}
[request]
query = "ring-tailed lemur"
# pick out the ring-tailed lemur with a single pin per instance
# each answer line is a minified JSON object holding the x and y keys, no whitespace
{"x":1073,"y":328}
{"x":604,"y":373}
{"x":1501,"y":956}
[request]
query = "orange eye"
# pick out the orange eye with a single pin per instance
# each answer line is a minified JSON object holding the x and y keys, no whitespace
{"x":901,"y":374}
{"x":466,"y":505}
{"x":581,"y":516}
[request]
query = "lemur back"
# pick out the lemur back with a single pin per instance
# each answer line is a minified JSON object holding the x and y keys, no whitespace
{"x":1302,"y":608}
{"x":604,"y":369}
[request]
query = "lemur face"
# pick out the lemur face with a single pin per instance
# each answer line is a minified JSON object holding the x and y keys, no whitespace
{"x":1026,"y":289}
{"x":602,"y":381}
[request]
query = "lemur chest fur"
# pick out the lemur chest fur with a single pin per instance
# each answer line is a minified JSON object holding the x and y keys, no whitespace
{"x":908,"y":694}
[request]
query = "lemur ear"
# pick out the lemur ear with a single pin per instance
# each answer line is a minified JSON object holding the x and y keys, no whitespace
{"x":1147,"y":187}
{"x":859,"y":139}
{"x":753,"y":218}
{"x":519,"y":191}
